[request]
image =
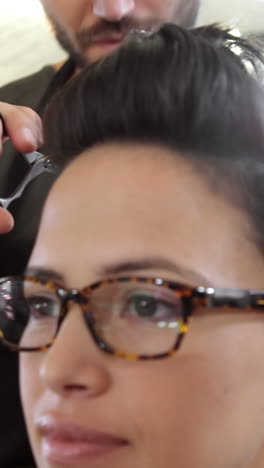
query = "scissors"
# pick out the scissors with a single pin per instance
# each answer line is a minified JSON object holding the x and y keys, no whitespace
{"x":38,"y":163}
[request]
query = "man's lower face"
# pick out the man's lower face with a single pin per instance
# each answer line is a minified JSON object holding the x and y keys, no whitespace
{"x":88,"y":36}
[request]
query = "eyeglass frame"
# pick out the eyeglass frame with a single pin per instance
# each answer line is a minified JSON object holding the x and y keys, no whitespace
{"x":192,"y":298}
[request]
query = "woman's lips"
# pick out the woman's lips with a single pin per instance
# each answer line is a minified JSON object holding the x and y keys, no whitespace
{"x":65,"y":443}
{"x":64,"y":452}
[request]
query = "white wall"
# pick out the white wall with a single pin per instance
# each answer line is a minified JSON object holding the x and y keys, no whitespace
{"x":248,"y":15}
{"x":26,"y":42}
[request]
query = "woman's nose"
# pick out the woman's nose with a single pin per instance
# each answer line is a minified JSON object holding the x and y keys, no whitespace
{"x":73,"y":367}
{"x":113,"y":10}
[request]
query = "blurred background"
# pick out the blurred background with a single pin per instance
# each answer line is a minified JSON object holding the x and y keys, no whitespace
{"x":26,"y":41}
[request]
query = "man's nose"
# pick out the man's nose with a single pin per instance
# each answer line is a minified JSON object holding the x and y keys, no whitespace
{"x":113,"y":10}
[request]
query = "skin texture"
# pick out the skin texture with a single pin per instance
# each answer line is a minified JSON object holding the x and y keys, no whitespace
{"x":6,"y":221}
{"x":201,"y":408}
{"x":79,"y":25}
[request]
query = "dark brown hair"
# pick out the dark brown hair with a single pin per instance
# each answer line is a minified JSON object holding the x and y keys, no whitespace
{"x":195,"y":91}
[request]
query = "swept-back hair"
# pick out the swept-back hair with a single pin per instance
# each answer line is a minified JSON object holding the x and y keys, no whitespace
{"x":194,"y":91}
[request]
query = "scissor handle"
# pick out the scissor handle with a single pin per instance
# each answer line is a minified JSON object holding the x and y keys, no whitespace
{"x":39,"y":164}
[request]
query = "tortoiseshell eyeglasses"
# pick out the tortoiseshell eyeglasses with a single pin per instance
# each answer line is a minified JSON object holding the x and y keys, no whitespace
{"x":133,"y":317}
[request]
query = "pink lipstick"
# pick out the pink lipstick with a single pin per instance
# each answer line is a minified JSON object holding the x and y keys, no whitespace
{"x":66,"y":443}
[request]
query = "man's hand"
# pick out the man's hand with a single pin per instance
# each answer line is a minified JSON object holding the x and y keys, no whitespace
{"x":6,"y":221}
{"x":23,"y":127}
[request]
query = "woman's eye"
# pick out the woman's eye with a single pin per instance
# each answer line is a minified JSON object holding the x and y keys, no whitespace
{"x":41,"y":307}
{"x":145,"y":306}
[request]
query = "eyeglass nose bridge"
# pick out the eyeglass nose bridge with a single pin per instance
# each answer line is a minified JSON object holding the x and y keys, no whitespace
{"x":68,"y":298}
{"x":76,"y":297}
{"x":71,"y":297}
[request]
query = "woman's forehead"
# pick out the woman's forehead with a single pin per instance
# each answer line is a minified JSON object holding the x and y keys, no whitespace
{"x":130,"y":168}
{"x":117,"y":203}
{"x":139,"y":182}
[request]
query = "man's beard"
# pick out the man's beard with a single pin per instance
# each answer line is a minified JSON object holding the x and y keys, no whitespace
{"x":67,"y":43}
{"x":76,"y":46}
{"x":188,"y":12}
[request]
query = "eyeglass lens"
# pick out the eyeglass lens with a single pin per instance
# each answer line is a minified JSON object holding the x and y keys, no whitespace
{"x":128,"y":316}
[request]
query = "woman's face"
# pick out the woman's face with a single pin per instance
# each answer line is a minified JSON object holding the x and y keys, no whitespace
{"x":114,"y":208}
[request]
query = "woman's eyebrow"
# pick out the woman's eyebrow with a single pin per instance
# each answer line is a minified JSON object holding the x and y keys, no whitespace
{"x":127,"y":267}
{"x":44,"y":274}
{"x":136,"y":265}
